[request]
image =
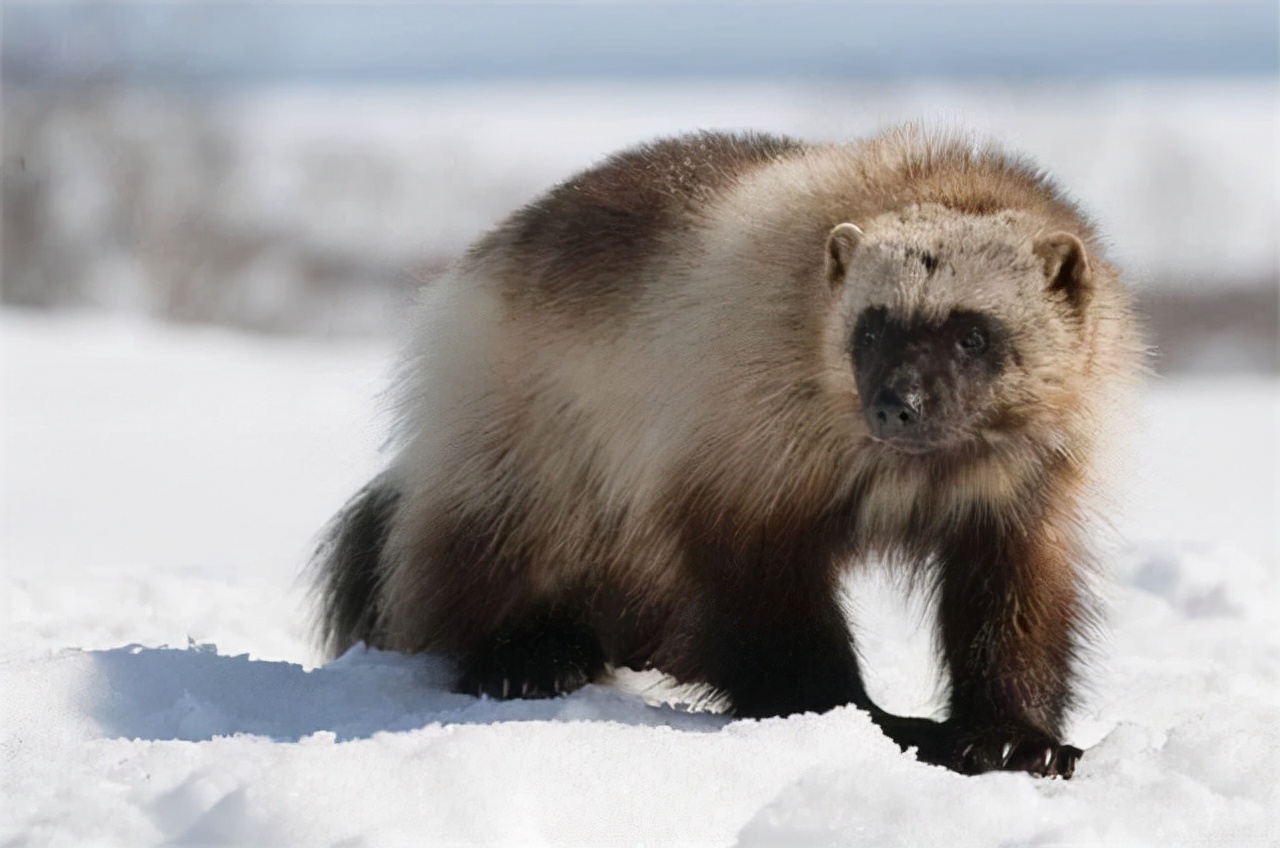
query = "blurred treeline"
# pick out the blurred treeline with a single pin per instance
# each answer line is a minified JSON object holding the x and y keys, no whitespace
{"x":134,"y":204}
{"x":144,"y":173}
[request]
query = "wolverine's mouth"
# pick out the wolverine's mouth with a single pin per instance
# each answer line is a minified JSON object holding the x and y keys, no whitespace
{"x":919,"y":445}
{"x":911,"y":447}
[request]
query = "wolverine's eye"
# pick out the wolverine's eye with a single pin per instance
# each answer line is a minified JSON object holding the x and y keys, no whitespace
{"x":974,"y":341}
{"x":869,"y":328}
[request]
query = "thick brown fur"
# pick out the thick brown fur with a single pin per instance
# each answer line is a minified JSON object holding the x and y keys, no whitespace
{"x":631,"y":434}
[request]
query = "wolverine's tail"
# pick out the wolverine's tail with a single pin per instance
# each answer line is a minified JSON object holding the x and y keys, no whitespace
{"x":346,"y":567}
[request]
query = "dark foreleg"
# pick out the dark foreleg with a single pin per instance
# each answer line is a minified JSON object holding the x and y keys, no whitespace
{"x":1011,"y":607}
{"x":767,"y":631}
{"x":772,"y":666}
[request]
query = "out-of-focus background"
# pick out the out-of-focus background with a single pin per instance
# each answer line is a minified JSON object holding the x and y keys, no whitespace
{"x":295,"y":168}
{"x":214,"y":215}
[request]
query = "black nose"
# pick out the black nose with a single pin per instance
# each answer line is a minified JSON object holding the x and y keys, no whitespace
{"x":894,"y":412}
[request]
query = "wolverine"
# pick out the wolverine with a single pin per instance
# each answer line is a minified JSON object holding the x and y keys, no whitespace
{"x":654,"y":417}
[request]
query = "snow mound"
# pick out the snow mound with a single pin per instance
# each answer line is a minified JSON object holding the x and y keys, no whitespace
{"x":197,"y":694}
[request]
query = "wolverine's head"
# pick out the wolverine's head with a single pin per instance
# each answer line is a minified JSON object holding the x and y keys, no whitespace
{"x":959,"y":328}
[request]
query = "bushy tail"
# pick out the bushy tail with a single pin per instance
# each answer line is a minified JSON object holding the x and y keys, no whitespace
{"x":346,"y":568}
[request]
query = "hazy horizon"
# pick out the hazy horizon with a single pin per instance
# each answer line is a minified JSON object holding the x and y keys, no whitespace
{"x":242,"y":43}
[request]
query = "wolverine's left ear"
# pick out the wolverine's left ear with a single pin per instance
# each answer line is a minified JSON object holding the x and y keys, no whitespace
{"x":1066,"y":267}
{"x":841,"y":244}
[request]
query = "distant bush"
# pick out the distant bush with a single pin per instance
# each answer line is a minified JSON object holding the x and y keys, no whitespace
{"x":127,"y":201}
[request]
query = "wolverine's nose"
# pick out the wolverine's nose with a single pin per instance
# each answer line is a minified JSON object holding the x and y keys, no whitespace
{"x":895,"y":411}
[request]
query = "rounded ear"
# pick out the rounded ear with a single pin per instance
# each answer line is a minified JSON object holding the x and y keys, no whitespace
{"x":1066,"y":267}
{"x":841,"y":243}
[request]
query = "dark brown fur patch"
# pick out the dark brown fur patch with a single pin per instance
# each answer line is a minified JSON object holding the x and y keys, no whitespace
{"x":588,"y":236}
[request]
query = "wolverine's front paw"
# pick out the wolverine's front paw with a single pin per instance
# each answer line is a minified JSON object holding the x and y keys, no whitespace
{"x":1007,"y":749}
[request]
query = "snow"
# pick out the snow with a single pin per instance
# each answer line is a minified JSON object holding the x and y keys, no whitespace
{"x":162,"y":488}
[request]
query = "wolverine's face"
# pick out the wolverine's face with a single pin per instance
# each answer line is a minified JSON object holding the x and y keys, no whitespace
{"x":927,"y":384}
{"x":958,"y":326}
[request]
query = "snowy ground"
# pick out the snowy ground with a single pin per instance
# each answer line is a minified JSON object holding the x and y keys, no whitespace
{"x":160,"y":491}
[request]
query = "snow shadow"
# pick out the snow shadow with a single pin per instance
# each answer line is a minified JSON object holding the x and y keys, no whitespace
{"x":197,"y":694}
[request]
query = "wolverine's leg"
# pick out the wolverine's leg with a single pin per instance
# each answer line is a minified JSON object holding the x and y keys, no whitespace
{"x":766,"y":629}
{"x":1010,"y":611}
{"x":510,"y":638}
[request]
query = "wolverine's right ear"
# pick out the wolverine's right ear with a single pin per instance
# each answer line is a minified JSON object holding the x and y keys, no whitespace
{"x":841,"y":244}
{"x":1066,"y":266}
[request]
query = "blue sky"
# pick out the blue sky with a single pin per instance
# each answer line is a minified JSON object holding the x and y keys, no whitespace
{"x":241,"y":42}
